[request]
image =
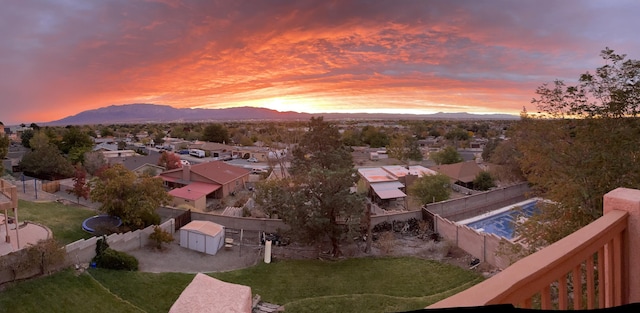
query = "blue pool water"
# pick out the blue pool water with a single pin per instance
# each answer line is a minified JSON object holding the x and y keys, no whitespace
{"x":501,"y":224}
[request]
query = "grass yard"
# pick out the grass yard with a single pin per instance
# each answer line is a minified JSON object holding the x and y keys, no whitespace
{"x":65,"y":221}
{"x":354,"y":285}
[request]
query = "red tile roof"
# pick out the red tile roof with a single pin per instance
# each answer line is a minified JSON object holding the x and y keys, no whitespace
{"x":215,"y":171}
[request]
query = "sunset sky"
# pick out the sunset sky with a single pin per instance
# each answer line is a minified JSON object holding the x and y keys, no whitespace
{"x":61,"y":57}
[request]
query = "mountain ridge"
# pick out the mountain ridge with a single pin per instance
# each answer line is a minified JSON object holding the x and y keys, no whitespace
{"x":154,"y":113}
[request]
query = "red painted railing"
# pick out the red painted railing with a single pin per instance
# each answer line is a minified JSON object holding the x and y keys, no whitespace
{"x":587,"y":269}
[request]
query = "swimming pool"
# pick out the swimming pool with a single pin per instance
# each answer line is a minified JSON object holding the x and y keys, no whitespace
{"x":500,"y":222}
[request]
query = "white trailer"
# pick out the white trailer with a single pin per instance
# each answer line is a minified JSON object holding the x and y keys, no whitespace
{"x":197,"y":153}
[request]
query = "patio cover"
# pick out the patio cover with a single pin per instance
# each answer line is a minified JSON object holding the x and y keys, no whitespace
{"x":194,"y":191}
{"x":388,"y":190}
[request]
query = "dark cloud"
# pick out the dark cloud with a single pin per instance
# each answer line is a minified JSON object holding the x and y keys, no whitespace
{"x":62,"y":57}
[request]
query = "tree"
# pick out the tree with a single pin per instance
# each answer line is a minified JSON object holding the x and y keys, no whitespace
{"x":574,"y":162}
{"x":448,"y":155}
{"x":215,"y":133}
{"x":46,"y":162}
{"x":25,"y":137}
{"x":489,"y":148}
{"x":483,"y":181}
{"x":431,"y":188}
{"x":457,"y":134}
{"x":80,"y":187}
{"x":169,"y":160}
{"x":4,"y":150}
{"x":74,"y":137}
{"x":321,"y":146}
{"x":133,"y":199}
{"x":317,"y":202}
{"x":404,"y":148}
{"x":374,"y":137}
{"x":94,"y":161}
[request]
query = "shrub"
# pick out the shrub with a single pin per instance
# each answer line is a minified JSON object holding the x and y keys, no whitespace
{"x":116,"y":260}
{"x":160,"y":236}
{"x":112,"y":259}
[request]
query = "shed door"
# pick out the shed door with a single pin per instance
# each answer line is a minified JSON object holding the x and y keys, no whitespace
{"x":196,"y":241}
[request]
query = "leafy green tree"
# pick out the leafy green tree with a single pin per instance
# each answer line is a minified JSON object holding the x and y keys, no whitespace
{"x":431,"y":188}
{"x":457,"y":134}
{"x":574,"y":162}
{"x":448,"y":155}
{"x":39,"y":140}
{"x":404,"y":148}
{"x":483,"y":181}
{"x":133,"y":199}
{"x":374,"y":137}
{"x":46,"y":162}
{"x":74,"y":137}
{"x":215,"y":133}
{"x":25,"y":137}
{"x":4,"y":150}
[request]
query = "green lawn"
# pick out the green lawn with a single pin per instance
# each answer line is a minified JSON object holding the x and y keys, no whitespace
{"x":65,"y":221}
{"x":354,"y":285}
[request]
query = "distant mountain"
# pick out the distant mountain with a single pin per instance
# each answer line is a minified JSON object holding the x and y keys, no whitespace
{"x":153,"y":113}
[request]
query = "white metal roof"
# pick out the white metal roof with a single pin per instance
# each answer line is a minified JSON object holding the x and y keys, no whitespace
{"x":388,"y":190}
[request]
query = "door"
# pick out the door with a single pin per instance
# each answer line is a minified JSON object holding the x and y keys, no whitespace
{"x":196,"y":242}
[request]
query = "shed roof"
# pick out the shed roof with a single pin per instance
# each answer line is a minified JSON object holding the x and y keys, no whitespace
{"x":204,"y":227}
{"x":206,"y":294}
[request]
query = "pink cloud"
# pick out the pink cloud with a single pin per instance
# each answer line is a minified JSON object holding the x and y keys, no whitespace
{"x":60,"y":58}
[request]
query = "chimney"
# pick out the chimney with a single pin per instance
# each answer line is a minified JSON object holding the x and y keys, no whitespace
{"x":186,"y":172}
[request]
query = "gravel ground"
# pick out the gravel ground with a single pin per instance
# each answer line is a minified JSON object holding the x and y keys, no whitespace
{"x":175,"y":258}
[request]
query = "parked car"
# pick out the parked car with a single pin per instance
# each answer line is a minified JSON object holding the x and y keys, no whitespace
{"x":185,"y":162}
{"x":252,"y":160}
{"x":258,"y":170}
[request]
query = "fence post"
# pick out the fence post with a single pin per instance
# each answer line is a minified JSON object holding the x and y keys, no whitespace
{"x":625,"y":199}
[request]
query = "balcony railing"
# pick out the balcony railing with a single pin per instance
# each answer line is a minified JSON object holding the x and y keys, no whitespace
{"x":587,"y":269}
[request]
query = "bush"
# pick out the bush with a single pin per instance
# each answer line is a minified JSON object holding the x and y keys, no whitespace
{"x":116,"y":260}
{"x":112,"y":259}
{"x":160,"y":236}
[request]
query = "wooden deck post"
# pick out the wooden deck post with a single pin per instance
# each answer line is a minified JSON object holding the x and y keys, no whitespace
{"x":628,"y":200}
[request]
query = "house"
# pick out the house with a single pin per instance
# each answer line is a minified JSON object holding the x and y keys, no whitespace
{"x":387,"y":185}
{"x":141,"y":163}
{"x":214,"y":149}
{"x":462,"y":173}
{"x":194,"y":184}
{"x":259,"y":153}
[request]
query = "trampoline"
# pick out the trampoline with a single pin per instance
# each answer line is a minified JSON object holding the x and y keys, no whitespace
{"x":501,"y":222}
{"x":101,"y":224}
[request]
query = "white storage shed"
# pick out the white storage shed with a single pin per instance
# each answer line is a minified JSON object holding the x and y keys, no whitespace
{"x":203,"y":236}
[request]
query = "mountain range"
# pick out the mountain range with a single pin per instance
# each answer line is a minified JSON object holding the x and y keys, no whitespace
{"x":153,"y":113}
